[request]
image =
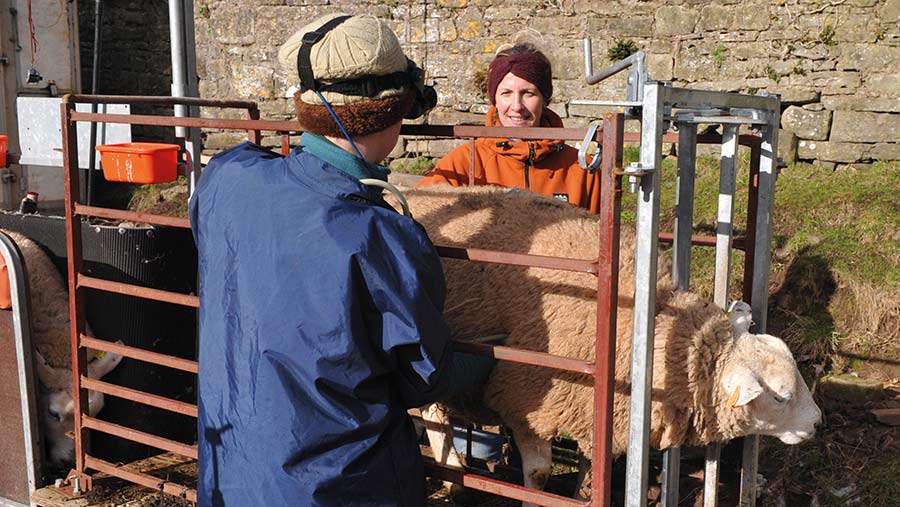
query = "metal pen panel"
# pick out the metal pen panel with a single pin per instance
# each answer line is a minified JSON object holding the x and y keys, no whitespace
{"x":725,"y":217}
{"x":645,"y":259}
{"x":681,"y":270}
{"x":761,"y":264}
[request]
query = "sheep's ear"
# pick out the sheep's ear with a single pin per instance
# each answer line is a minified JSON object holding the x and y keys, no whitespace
{"x":743,"y":385}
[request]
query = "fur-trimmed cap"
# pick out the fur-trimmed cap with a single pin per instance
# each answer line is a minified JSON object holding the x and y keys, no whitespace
{"x":358,"y":47}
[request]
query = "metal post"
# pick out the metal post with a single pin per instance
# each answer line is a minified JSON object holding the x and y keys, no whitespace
{"x":74,"y":262}
{"x":647,"y":229}
{"x":607,"y":295}
{"x":725,"y":221}
{"x":681,"y":271}
{"x":194,"y":147}
{"x":763,"y":240}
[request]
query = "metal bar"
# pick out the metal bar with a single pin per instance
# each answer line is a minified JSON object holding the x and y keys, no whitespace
{"x":472,"y":162}
{"x":711,"y":475}
{"x":647,"y":229}
{"x":253,"y":132}
{"x":28,"y":386}
{"x":752,"y":204}
{"x":743,"y":140}
{"x":501,"y":488}
{"x":188,"y":451}
{"x":141,"y":292}
{"x":139,"y":396}
{"x":723,"y":120}
{"x":671,"y":471}
{"x":607,"y":297}
{"x":537,"y":261}
{"x":565,"y":134}
{"x":701,"y":240}
{"x":685,"y":98}
{"x":132,"y":216}
{"x":725,"y":220}
{"x":74,"y":263}
{"x":681,"y":274}
{"x":156,"y":100}
{"x":761,"y":261}
{"x":140,"y":354}
{"x":149,"y":481}
{"x":285,"y":144}
{"x":684,"y":205}
{"x":527,"y":357}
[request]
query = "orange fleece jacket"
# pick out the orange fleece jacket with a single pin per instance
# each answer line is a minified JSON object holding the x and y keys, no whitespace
{"x":548,"y":167}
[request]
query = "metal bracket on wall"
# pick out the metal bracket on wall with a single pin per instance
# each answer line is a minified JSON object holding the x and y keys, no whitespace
{"x":75,"y":485}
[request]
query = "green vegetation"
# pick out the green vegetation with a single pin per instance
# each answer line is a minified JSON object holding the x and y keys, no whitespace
{"x":418,"y":166}
{"x":621,"y":49}
{"x":719,"y":54}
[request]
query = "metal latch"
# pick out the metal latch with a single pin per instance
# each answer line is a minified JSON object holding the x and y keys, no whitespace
{"x":634,"y":171}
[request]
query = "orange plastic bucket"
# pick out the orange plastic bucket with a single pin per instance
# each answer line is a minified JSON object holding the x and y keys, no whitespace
{"x":3,"y":141}
{"x":139,"y":162}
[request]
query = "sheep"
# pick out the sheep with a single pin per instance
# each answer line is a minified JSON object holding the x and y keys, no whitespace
{"x":713,"y":380}
{"x":52,"y":356}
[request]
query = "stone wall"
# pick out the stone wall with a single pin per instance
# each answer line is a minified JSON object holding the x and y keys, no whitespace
{"x":135,"y":56}
{"x":835,"y":63}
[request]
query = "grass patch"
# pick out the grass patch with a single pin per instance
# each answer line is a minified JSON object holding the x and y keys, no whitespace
{"x":418,"y":166}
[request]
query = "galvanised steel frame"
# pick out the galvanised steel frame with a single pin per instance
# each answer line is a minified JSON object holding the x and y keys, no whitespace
{"x":610,"y":137}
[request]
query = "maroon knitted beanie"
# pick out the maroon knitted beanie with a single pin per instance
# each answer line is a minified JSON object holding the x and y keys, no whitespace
{"x":531,"y":67}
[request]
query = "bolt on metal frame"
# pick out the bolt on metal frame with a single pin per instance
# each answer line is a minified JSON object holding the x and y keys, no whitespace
{"x":610,"y":138}
{"x":660,"y":106}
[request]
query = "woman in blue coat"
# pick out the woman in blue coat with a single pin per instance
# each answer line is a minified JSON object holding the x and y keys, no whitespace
{"x":320,"y":307}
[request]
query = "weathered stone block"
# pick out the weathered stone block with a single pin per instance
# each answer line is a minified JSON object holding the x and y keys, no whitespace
{"x":852,"y":126}
{"x":885,"y":85}
{"x":869,"y":57}
{"x":862,"y":103}
{"x":632,"y":26}
{"x":716,"y":17}
{"x":885,"y":151}
{"x":851,"y":389}
{"x":889,"y":12}
{"x":752,"y":17}
{"x":787,"y":146}
{"x":807,"y":124}
{"x":676,"y":20}
{"x":660,"y":67}
{"x":826,"y":82}
{"x":796,"y":96}
{"x":856,"y":29}
{"x":832,"y":152}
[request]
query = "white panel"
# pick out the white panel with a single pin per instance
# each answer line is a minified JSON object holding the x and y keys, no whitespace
{"x":52,"y":28}
{"x":40,"y":131}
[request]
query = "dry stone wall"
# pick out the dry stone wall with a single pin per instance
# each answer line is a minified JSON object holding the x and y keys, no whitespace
{"x":835,"y":63}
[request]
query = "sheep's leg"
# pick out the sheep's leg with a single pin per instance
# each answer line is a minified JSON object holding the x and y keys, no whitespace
{"x":440,"y":438}
{"x":584,"y":478}
{"x":536,"y":460}
{"x":95,"y":402}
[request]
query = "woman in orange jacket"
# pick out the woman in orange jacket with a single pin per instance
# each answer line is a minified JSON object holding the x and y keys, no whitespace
{"x":519,"y":87}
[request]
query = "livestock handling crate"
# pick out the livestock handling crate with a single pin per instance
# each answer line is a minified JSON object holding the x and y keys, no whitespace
{"x":609,"y":136}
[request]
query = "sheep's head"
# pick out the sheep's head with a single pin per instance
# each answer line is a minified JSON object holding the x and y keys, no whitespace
{"x":762,"y":382}
{"x":58,"y":418}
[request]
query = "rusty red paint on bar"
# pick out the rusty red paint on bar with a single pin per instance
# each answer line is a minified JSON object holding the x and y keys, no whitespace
{"x":156,"y":100}
{"x":186,"y":121}
{"x":565,"y":134}
{"x":537,"y":261}
{"x":527,"y":357}
{"x":607,"y":297}
{"x":501,"y":488}
{"x":188,"y":451}
{"x":140,"y":354}
{"x":131,"y":216}
{"x":152,"y":400}
{"x":668,"y":238}
{"x":752,"y":211}
{"x":74,"y":265}
{"x":141,"y":292}
{"x":149,"y":481}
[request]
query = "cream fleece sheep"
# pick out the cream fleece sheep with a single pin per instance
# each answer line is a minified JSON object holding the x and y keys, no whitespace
{"x":708,"y":385}
{"x":53,"y":360}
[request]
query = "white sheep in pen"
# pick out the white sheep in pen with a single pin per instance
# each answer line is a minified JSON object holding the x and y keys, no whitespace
{"x":710,"y":384}
{"x":53,"y":360}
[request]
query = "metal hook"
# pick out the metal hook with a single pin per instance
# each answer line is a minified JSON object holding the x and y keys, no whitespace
{"x":585,"y":144}
{"x":372,"y":182}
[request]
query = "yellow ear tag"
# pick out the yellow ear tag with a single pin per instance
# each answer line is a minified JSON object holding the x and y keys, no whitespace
{"x":732,"y":401}
{"x":98,"y":354}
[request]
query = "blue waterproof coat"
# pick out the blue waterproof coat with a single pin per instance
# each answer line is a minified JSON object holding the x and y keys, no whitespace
{"x":320,"y":324}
